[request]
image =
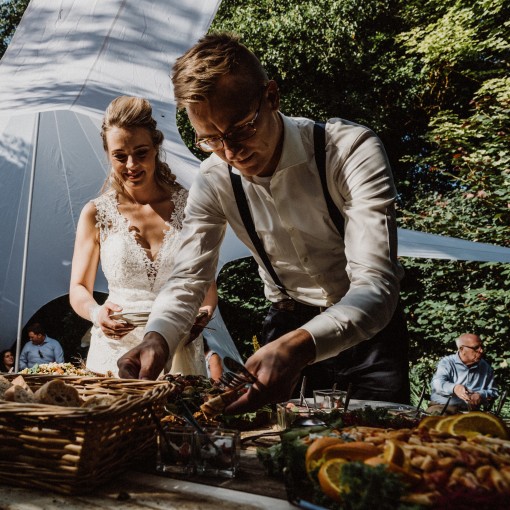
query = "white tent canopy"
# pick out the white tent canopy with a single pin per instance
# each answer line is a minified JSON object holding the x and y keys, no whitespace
{"x":67,"y":61}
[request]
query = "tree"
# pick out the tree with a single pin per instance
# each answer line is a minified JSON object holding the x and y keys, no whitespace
{"x":430,"y":78}
{"x":11,"y":12}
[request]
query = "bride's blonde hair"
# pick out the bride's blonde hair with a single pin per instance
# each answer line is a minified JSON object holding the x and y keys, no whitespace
{"x":129,"y":112}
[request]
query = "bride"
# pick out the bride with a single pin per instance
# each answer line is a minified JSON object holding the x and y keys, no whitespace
{"x":132,"y":228}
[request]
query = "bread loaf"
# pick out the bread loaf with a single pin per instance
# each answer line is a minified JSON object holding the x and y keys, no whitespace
{"x":19,"y":381}
{"x":19,"y":394}
{"x":4,"y":385}
{"x":56,"y":392}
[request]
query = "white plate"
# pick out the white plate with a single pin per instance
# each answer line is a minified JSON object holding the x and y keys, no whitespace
{"x":360,"y":404}
{"x":135,"y":318}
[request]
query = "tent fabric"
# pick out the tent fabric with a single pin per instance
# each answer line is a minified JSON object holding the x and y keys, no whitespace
{"x":65,"y":64}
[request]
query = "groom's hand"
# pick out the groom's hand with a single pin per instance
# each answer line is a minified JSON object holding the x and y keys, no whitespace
{"x":146,"y":360}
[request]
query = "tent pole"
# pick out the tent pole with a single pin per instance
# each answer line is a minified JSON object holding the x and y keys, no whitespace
{"x":25,"y":248}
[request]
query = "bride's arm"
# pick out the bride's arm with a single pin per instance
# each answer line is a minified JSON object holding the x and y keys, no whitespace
{"x":83,"y":274}
{"x":85,"y":264}
{"x":208,"y":306}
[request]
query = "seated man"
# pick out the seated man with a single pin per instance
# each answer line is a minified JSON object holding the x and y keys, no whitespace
{"x":464,"y":376}
{"x":41,"y":349}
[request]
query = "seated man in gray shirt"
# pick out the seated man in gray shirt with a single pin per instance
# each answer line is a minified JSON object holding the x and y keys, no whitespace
{"x":465,"y":377}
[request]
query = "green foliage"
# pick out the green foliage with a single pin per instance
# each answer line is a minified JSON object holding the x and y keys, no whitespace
{"x":11,"y":12}
{"x":242,"y":302}
{"x":431,"y":78}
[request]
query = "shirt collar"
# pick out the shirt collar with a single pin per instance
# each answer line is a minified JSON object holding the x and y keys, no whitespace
{"x":293,"y":152}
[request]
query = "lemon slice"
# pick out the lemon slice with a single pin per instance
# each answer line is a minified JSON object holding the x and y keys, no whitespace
{"x":477,"y":422}
{"x":429,"y":422}
{"x":329,"y":478}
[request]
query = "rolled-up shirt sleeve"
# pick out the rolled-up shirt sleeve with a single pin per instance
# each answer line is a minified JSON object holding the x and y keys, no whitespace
{"x":196,"y":259}
{"x":362,"y":187}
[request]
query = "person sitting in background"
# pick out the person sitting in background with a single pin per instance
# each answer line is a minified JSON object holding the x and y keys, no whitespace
{"x":464,"y":376}
{"x":212,"y":362}
{"x":7,"y":361}
{"x":41,"y":349}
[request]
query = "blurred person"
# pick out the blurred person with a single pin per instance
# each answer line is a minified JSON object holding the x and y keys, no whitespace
{"x":465,"y":377}
{"x":133,"y":228}
{"x":324,"y":235}
{"x":213,"y":362}
{"x":41,"y":349}
{"x":7,"y":361}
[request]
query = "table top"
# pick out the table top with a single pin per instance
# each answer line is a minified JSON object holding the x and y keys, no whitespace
{"x":143,"y":489}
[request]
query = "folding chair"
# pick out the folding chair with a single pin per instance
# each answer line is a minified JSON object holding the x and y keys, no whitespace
{"x":501,"y":403}
{"x":425,"y":395}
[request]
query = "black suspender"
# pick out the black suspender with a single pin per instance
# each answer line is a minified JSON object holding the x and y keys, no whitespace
{"x":244,"y":211}
{"x":319,"y":139}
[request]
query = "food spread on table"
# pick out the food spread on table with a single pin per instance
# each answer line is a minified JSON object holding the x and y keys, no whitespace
{"x":207,"y":400}
{"x":56,"y":369}
{"x":462,"y":459}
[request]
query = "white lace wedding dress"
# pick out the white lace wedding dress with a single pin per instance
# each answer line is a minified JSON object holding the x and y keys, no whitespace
{"x":134,"y":281}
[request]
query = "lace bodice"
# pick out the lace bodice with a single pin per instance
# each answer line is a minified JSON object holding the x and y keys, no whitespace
{"x":134,"y":281}
{"x":133,"y":278}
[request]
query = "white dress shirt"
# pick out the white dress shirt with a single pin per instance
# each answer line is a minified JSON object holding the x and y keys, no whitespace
{"x":358,"y":277}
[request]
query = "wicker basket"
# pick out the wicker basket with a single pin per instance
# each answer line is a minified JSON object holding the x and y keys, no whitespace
{"x":72,"y":450}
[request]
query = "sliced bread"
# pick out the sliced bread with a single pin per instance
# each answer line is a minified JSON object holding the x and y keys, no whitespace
{"x":56,"y":392}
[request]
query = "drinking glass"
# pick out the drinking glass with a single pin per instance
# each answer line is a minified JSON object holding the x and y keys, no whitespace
{"x":176,"y":446}
{"x":329,"y":399}
{"x":217,"y":452}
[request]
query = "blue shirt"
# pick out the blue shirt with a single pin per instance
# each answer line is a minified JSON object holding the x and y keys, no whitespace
{"x":478,"y":378}
{"x":49,"y":351}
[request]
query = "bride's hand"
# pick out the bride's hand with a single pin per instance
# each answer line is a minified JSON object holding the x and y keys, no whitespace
{"x":203,"y":318}
{"x":111,"y":328}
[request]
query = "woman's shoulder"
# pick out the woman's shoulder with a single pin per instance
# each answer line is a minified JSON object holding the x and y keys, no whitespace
{"x":179,"y":198}
{"x":107,"y":198}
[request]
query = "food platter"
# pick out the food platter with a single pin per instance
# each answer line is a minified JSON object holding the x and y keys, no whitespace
{"x":462,"y":459}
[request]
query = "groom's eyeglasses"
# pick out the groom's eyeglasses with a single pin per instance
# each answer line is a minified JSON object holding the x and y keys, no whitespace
{"x":40,"y":353}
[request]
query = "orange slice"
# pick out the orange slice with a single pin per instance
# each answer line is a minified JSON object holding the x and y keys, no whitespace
{"x":330,"y":478}
{"x":443,"y":424}
{"x":356,"y":450}
{"x":394,"y":453}
{"x":477,"y":422}
{"x":315,"y":452}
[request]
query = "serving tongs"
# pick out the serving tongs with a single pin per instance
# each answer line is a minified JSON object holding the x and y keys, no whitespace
{"x":239,"y":370}
{"x":187,"y":414}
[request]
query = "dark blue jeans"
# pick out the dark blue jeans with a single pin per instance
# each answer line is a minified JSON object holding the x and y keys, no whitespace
{"x":377,"y":368}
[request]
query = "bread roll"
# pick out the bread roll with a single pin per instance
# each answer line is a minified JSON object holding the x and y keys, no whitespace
{"x":99,"y":400}
{"x":56,"y":392}
{"x":19,"y":394}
